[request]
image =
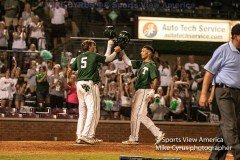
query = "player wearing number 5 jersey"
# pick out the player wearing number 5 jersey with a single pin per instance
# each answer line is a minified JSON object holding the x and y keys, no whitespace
{"x":145,"y":85}
{"x":87,"y":88}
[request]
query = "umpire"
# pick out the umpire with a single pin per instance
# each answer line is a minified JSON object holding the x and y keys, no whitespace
{"x":223,"y":70}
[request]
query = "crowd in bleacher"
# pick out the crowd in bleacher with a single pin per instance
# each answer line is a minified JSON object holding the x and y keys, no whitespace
{"x":48,"y":84}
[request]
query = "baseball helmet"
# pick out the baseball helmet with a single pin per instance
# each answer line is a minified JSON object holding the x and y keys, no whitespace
{"x":109,"y":32}
{"x":123,"y":39}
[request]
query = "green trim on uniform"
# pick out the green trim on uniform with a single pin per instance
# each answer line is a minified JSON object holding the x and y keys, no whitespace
{"x":147,"y":72}
{"x":87,"y":66}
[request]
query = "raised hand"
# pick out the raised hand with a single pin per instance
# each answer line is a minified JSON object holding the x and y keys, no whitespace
{"x":117,"y":49}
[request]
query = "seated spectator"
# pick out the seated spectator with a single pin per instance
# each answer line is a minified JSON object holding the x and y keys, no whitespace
{"x":34,"y":53}
{"x":11,"y":12}
{"x":56,"y":88}
{"x":158,"y":107}
{"x":6,"y":89}
{"x":42,"y":89}
{"x":21,"y":89}
{"x":71,"y":88}
{"x":4,"y":37}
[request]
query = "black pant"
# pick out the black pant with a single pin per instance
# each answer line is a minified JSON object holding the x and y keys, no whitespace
{"x":228,"y":101}
{"x":56,"y":101}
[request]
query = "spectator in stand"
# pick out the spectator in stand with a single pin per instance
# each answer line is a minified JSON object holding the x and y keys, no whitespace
{"x":6,"y":89}
{"x":42,"y":89}
{"x":19,"y":38}
{"x":37,"y":31}
{"x":31,"y":75}
{"x":2,"y":65}
{"x":49,"y":68}
{"x":165,"y":76}
{"x":34,"y":53}
{"x":41,"y":63}
{"x":2,"y":11}
{"x":191,"y":65}
{"x":120,"y":65}
{"x":27,"y":15}
{"x":16,"y":77}
{"x":71,"y":88}
{"x":4,"y":37}
{"x":184,"y":87}
{"x":11,"y":12}
{"x":176,"y":107}
{"x":37,"y":7}
{"x":126,"y":94}
{"x":58,"y":15}
{"x":199,"y":79}
{"x":158,"y":107}
{"x":19,"y":44}
{"x":178,"y":67}
{"x":56,"y":87}
{"x":113,"y":97}
{"x":111,"y":70}
{"x":21,"y":89}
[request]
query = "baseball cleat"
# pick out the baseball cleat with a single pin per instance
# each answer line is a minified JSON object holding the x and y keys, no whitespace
{"x":128,"y":142}
{"x":78,"y":141}
{"x":159,"y":138}
{"x":86,"y":140}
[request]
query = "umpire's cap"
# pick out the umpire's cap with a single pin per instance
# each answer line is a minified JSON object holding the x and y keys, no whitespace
{"x":236,"y":29}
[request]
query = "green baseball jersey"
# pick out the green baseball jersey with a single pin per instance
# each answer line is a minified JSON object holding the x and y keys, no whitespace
{"x":87,"y":66}
{"x":147,"y":72}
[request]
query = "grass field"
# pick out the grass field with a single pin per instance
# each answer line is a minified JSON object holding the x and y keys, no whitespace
{"x":71,"y":151}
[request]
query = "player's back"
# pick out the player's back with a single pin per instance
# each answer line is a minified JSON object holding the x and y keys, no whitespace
{"x":87,"y":66}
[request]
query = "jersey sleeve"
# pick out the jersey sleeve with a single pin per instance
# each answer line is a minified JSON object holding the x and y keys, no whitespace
{"x":154,"y":73}
{"x":100,"y":58}
{"x":136,"y":64}
{"x":74,"y":65}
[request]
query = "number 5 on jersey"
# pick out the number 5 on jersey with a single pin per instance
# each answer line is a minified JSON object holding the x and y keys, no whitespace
{"x":84,"y":62}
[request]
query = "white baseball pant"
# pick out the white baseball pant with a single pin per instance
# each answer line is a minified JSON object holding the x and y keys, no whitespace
{"x":88,"y":108}
{"x":139,"y":114}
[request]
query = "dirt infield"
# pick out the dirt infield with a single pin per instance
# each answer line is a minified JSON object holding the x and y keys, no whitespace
{"x":59,"y":147}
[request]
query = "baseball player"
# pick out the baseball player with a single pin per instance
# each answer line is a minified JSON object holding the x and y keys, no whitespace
{"x":145,"y":85}
{"x":87,"y":89}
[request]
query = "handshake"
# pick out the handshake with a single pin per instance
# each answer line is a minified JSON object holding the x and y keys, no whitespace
{"x":121,"y":40}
